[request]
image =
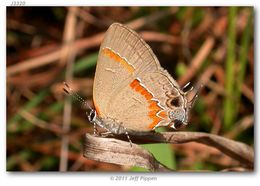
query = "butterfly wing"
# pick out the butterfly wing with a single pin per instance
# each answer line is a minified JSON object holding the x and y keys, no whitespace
{"x":130,"y":86}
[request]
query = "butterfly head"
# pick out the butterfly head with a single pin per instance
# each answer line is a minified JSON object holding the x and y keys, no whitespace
{"x":179,"y":118}
{"x":180,"y":107}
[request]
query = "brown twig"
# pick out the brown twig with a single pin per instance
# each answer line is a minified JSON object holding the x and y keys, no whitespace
{"x":198,"y":60}
{"x":159,"y":37}
{"x":241,"y":125}
{"x":40,"y":123}
{"x":137,"y":23}
{"x":67,"y":55}
{"x":115,"y":151}
{"x":120,"y":152}
{"x":248,"y":92}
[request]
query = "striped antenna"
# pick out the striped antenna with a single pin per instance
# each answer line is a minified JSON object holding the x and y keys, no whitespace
{"x":191,"y":102}
{"x":68,"y":90}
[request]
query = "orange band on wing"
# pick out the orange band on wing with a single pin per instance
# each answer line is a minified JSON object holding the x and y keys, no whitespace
{"x":139,"y":88}
{"x":111,"y":54}
{"x":153,"y":107}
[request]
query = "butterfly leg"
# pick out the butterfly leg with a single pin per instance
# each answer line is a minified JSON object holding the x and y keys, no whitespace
{"x":95,"y":131}
{"x":105,"y":134}
{"x":122,"y":130}
{"x":102,"y":134}
{"x":128,"y":137}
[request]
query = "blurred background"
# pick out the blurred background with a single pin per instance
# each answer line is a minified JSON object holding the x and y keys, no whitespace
{"x":213,"y":46}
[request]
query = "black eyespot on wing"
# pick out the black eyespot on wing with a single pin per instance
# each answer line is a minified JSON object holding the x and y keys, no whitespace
{"x":176,"y":102}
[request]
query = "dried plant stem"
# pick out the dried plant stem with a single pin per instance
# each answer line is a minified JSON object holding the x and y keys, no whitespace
{"x":67,"y":54}
{"x":198,"y":60}
{"x":120,"y":152}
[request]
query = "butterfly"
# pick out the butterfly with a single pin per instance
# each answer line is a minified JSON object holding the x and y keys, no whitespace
{"x":132,"y":93}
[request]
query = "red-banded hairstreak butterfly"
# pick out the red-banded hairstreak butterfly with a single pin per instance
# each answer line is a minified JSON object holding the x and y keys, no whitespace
{"x":132,"y":93}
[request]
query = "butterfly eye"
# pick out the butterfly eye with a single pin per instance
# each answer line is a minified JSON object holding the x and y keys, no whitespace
{"x":92,"y":116}
{"x":176,"y":102}
{"x":177,"y":124}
